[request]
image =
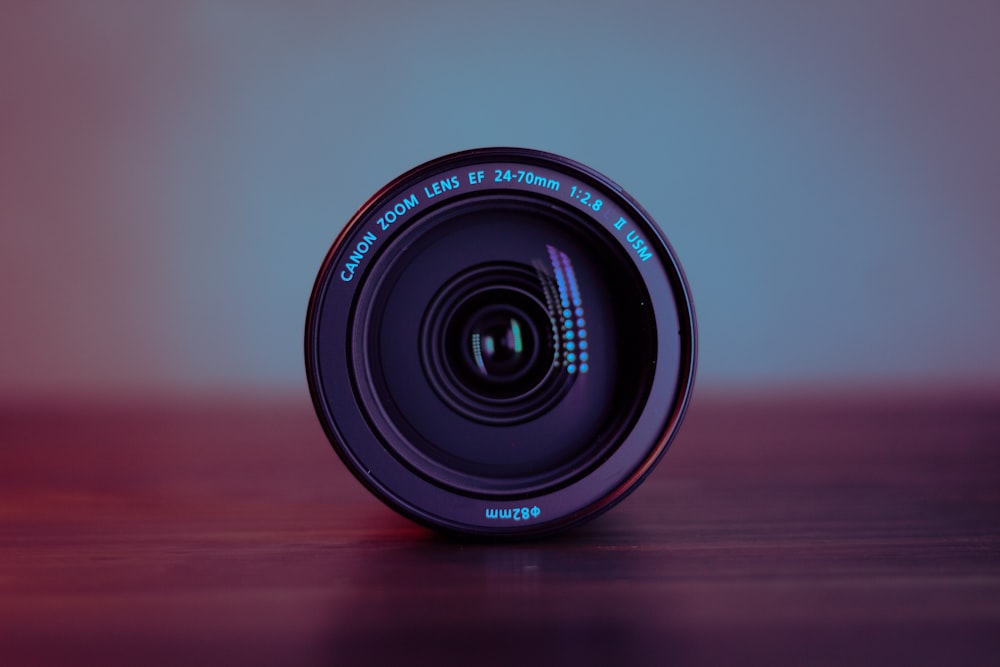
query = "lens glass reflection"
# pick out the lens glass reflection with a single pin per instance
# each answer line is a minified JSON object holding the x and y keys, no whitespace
{"x":501,"y":344}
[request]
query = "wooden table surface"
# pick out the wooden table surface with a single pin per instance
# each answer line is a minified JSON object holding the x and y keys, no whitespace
{"x":812,"y":530}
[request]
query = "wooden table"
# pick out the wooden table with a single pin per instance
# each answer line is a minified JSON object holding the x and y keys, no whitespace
{"x":826,"y":530}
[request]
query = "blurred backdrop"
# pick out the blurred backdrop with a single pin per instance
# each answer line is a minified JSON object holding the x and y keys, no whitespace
{"x":172,"y":173}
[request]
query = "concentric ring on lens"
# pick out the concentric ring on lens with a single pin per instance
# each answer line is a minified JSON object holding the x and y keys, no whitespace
{"x":498,"y":297}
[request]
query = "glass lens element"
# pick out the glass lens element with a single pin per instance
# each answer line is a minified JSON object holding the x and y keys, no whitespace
{"x":497,"y":344}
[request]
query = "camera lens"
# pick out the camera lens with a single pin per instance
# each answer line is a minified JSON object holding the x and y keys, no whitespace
{"x":500,"y":342}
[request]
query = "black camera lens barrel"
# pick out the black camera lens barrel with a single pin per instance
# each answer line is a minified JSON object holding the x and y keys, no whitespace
{"x":500,"y":342}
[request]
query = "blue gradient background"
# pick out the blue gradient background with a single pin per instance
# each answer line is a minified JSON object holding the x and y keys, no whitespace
{"x":172,"y":174}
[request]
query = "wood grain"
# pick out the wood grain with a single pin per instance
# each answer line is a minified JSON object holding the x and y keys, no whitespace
{"x":807,"y":530}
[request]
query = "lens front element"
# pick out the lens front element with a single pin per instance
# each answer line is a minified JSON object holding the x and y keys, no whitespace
{"x":497,"y":341}
{"x":493,"y":345}
{"x":489,"y":344}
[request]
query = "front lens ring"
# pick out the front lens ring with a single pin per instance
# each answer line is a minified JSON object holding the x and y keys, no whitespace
{"x":469,"y":173}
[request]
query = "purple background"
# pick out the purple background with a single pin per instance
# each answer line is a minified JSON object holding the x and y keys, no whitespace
{"x":172,"y":173}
